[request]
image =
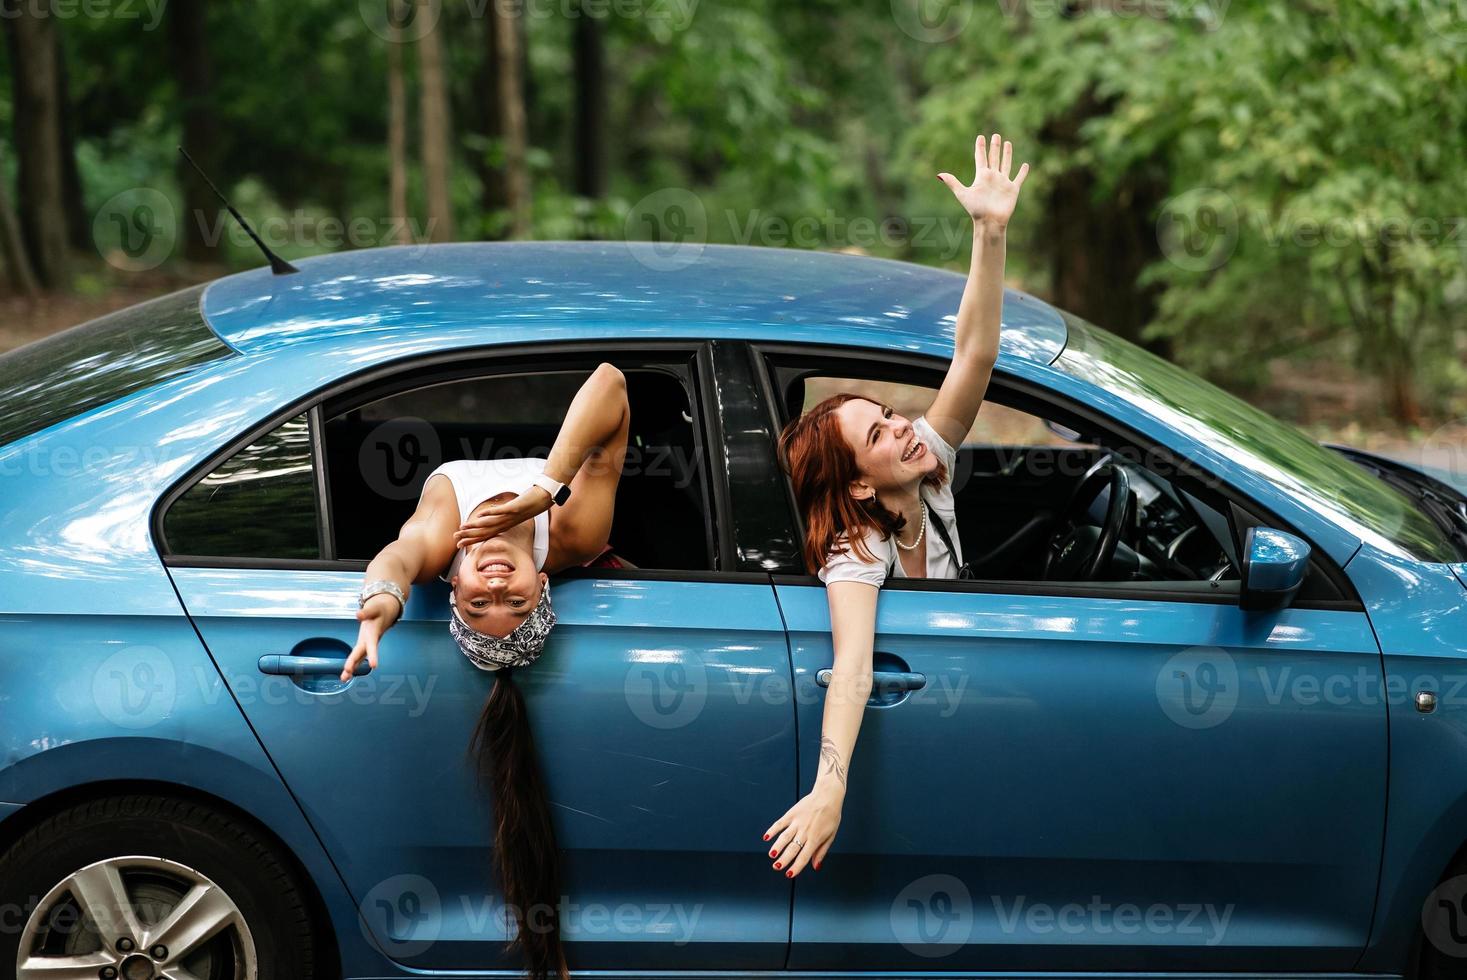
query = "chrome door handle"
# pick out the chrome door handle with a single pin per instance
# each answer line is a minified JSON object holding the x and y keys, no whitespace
{"x":882,"y":681}
{"x":274,"y":663}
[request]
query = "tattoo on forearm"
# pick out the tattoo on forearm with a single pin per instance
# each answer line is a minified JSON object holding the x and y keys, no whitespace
{"x":831,"y":758}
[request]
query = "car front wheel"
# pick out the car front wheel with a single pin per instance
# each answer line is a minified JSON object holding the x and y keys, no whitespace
{"x":151,"y":888}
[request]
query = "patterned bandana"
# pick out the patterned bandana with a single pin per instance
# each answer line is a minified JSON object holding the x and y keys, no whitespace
{"x":520,"y":648}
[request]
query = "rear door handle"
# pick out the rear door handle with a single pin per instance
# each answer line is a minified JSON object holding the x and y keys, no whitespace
{"x":274,"y":663}
{"x":883,"y":682}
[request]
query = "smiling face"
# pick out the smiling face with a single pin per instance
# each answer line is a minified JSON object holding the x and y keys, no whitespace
{"x":496,"y":585}
{"x":889,"y":455}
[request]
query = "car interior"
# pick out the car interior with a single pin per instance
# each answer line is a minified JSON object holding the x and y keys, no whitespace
{"x":661,"y":500}
{"x":1040,"y":498}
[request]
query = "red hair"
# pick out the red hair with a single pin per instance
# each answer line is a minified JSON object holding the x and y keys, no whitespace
{"x":822,"y":467}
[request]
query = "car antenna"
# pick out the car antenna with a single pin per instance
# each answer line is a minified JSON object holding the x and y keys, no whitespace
{"x":277,"y":265}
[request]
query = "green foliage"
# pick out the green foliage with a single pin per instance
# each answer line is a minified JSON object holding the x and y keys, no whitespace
{"x":1312,"y":150}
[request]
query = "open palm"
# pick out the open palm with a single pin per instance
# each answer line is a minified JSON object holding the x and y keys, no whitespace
{"x":992,"y":195}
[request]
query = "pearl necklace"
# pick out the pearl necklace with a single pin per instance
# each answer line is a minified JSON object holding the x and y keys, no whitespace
{"x":922,"y":531}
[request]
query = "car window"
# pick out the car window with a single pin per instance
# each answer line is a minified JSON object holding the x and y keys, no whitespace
{"x":380,"y":452}
{"x":1015,"y":488}
{"x":1319,"y":477}
{"x":102,"y":360}
{"x":260,"y":503}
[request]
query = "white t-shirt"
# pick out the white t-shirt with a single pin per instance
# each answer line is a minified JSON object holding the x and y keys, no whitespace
{"x":476,"y":480}
{"x":941,"y":563}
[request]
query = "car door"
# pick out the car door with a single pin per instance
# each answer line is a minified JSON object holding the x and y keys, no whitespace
{"x":660,"y":769}
{"x":1076,"y":777}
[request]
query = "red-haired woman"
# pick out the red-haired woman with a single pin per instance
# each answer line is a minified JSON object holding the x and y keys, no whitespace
{"x":871,"y":485}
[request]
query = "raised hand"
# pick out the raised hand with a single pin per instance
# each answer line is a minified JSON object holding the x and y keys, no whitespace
{"x":501,"y":517}
{"x":992,"y":195}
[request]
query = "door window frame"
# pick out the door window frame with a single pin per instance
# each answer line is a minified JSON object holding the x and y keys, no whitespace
{"x":459,"y":364}
{"x":1238,"y":508}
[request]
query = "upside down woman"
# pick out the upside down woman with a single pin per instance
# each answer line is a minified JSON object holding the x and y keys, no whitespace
{"x":495,"y":530}
{"x":872,"y":487}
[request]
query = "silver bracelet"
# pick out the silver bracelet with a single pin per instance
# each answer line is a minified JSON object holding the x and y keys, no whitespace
{"x":379,"y":586}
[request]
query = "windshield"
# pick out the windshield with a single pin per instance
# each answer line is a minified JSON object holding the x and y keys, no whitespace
{"x":1325,"y":480}
{"x":102,"y":360}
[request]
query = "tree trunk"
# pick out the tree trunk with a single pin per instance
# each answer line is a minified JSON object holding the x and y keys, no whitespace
{"x":1099,"y":248}
{"x":188,"y":42}
{"x":36,"y":87}
{"x":433,"y":112}
{"x":512,"y":118}
{"x":17,"y":262}
{"x":396,"y":125}
{"x":486,"y":121}
{"x":589,"y":59}
{"x":78,"y":222}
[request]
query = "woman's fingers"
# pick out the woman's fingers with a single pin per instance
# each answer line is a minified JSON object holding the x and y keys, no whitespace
{"x":1008,"y":157}
{"x":980,"y":153}
{"x":800,"y":858}
{"x":351,"y":663}
{"x":994,"y":152}
{"x":1019,"y":177}
{"x":817,"y":858}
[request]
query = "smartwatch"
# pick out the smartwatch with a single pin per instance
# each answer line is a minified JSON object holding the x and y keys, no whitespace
{"x":559,"y":492}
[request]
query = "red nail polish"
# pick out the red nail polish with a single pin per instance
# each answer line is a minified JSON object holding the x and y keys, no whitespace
{"x":817,"y":867}
{"x":766,"y":836}
{"x":790,"y":873}
{"x":776,"y":865}
{"x":774,"y":853}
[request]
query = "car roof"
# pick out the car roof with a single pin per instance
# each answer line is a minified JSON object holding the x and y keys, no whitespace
{"x":642,"y":287}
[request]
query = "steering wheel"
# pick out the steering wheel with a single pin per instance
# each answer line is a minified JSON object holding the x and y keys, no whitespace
{"x":1080,"y":550}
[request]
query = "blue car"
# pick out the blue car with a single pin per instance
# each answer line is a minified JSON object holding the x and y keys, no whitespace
{"x":1203,"y":710}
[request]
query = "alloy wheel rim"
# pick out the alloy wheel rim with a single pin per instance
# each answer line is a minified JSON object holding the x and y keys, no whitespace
{"x":136,"y":918}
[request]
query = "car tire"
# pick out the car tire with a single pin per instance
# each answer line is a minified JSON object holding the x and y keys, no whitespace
{"x":249,"y":917}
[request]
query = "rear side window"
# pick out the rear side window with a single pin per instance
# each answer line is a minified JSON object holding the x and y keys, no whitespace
{"x":260,"y":503}
{"x":103,"y":360}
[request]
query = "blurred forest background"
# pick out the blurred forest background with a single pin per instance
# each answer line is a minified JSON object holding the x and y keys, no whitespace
{"x":1270,"y":193}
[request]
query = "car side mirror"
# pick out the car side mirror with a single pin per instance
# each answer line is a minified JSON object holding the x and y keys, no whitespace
{"x":1274,"y":566}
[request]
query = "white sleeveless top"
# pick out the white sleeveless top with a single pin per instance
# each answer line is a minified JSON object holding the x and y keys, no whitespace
{"x":476,"y":480}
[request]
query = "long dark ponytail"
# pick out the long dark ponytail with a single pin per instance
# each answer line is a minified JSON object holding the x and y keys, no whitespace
{"x":526,"y":859}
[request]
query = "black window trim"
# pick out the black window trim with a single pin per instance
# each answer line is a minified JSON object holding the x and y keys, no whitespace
{"x":1027,"y":390}
{"x":469,"y":362}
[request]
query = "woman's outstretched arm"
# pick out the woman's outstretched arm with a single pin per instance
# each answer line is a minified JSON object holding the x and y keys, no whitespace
{"x":422,"y":547}
{"x":989,"y":201}
{"x":595,"y":429}
{"x":816,"y":817}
